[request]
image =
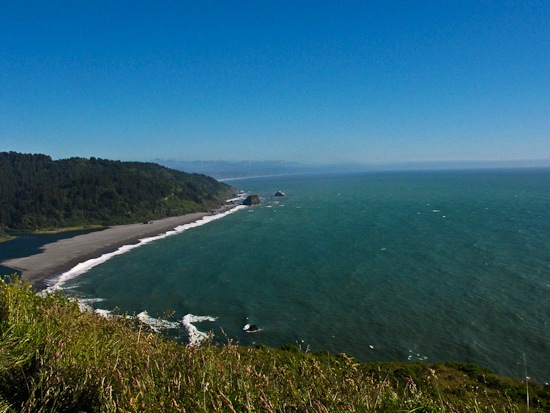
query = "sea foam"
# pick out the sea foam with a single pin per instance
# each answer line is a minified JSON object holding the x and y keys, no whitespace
{"x":195,"y":336}
{"x":156,"y":324}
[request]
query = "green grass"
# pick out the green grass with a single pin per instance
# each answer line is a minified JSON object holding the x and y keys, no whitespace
{"x":54,"y":358}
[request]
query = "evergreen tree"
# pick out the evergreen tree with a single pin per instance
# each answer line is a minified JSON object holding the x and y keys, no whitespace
{"x":39,"y":193}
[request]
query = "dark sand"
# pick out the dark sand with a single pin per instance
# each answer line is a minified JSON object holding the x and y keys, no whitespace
{"x":62,"y":255}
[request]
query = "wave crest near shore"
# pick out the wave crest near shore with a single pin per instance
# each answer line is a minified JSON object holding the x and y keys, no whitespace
{"x":59,"y":282}
{"x":194,"y":334}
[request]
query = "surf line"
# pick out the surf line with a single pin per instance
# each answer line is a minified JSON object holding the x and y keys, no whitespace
{"x":83,"y":267}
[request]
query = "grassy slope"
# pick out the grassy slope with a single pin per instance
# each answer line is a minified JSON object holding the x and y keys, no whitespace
{"x":54,"y":358}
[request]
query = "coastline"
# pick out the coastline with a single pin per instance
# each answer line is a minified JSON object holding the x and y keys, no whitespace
{"x":61,"y":256}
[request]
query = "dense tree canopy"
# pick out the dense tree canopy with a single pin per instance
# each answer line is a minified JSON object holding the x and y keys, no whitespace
{"x":39,"y":193}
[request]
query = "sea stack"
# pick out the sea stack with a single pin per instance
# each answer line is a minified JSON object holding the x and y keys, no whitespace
{"x":252,"y":200}
{"x":280,"y":193}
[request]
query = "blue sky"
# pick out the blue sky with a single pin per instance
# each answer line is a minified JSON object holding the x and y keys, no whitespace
{"x":305,"y":81}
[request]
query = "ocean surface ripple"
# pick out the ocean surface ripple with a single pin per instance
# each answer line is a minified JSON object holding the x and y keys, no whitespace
{"x":430,"y":266}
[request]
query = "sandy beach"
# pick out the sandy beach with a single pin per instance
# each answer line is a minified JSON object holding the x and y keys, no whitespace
{"x":62,"y":255}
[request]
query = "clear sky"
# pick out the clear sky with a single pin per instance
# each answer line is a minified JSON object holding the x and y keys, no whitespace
{"x":307,"y":81}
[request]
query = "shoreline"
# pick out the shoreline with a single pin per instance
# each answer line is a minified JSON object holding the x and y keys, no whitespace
{"x":63,"y":255}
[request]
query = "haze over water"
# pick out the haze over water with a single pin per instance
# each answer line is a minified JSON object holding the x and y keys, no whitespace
{"x":434,"y":266}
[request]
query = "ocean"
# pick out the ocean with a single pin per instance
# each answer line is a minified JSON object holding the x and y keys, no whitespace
{"x":413,"y":266}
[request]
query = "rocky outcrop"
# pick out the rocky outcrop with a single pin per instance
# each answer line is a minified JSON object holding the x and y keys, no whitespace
{"x":252,"y":200}
{"x":251,"y":328}
{"x":280,"y":193}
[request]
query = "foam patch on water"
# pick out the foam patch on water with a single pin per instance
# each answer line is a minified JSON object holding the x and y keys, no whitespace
{"x":414,"y":356}
{"x":85,"y":304}
{"x":84,"y":267}
{"x":195,"y":336}
{"x":156,"y":324}
{"x":103,"y":313}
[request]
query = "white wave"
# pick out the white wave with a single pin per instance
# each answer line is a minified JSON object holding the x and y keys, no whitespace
{"x":79,"y":269}
{"x":83,"y":307}
{"x":241,"y":196}
{"x":84,"y":304}
{"x":103,"y":313}
{"x":156,"y":324}
{"x":195,"y":336}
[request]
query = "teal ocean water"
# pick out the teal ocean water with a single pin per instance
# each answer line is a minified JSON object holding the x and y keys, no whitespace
{"x":432,"y":266}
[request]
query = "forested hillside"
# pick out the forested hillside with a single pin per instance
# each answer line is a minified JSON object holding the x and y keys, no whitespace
{"x":39,"y":193}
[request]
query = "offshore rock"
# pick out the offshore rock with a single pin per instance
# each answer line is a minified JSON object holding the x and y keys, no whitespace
{"x":252,"y":200}
{"x":251,"y":328}
{"x":280,"y":193}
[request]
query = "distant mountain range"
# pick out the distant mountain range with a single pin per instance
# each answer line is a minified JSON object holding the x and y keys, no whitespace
{"x":241,"y":169}
{"x":225,"y":170}
{"x":228,"y":169}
